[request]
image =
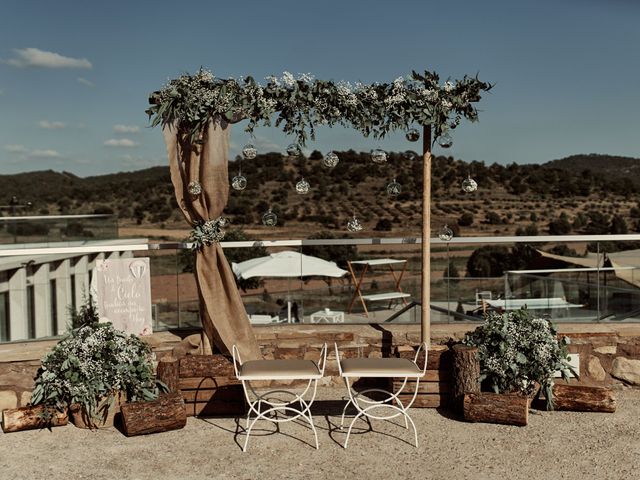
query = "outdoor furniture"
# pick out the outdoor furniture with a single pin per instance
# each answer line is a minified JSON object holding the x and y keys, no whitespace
{"x":274,"y":370}
{"x":327,"y":316}
{"x":402,"y":368}
{"x":397,"y":293}
{"x":532,"y":303}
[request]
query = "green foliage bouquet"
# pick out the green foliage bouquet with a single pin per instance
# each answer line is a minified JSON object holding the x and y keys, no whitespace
{"x":518,"y":352}
{"x":93,"y":363}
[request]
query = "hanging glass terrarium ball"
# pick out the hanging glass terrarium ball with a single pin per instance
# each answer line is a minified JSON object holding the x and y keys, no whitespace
{"x":410,"y":155}
{"x":394,"y":188}
{"x":354,"y":225}
{"x":239,"y":182}
{"x":293,"y":150}
{"x":302,"y":187}
{"x":469,"y":185}
{"x":455,"y":122}
{"x":378,"y":156}
{"x":194,"y":188}
{"x":249,"y":151}
{"x":445,"y":234}
{"x":445,"y":140}
{"x":330,"y":160}
{"x":269,"y":219}
{"x":413,"y":135}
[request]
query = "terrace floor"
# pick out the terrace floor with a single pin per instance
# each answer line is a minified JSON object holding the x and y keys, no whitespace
{"x":557,"y":445}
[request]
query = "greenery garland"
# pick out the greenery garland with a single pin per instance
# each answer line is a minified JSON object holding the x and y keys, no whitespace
{"x":303,"y":103}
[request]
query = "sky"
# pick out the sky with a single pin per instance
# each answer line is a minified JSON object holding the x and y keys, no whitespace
{"x":75,"y":76}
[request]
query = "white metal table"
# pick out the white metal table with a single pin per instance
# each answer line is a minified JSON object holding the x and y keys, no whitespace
{"x":324,"y":316}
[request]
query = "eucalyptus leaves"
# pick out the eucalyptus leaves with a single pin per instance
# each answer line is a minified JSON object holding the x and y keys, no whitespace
{"x":95,"y":362}
{"x":517,"y":352}
{"x":208,"y":233}
{"x":303,"y":103}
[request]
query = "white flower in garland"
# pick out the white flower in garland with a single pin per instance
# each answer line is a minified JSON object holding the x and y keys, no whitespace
{"x":448,"y":86}
{"x":288,"y":80}
{"x":208,"y":233}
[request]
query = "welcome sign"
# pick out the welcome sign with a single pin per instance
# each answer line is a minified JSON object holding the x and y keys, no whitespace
{"x":124,"y":294}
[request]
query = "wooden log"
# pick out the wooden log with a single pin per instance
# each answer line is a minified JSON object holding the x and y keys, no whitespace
{"x":166,"y":413}
{"x":168,"y":373}
{"x":466,"y":374}
{"x":578,"y":398}
{"x":508,"y":409}
{"x":206,"y":366}
{"x":29,"y":418}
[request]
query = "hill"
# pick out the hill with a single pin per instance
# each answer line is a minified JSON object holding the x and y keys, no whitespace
{"x":613,"y":167}
{"x":578,"y":194}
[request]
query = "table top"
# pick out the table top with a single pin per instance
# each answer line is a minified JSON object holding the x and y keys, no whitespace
{"x":378,"y":261}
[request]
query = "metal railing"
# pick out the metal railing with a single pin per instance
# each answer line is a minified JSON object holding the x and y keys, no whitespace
{"x":589,"y":293}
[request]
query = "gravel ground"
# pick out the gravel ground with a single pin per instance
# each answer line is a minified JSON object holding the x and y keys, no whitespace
{"x":554,"y":445}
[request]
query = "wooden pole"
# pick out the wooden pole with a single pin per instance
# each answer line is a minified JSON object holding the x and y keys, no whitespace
{"x":426,"y":235}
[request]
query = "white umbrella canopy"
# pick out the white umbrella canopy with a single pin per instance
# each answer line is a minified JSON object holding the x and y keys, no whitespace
{"x":287,"y":264}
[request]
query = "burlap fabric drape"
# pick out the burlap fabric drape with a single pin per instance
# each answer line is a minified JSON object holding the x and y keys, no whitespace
{"x":223,"y":315}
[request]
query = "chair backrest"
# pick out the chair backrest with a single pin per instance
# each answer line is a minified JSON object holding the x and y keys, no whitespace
{"x":323,"y":359}
{"x":237,"y":361}
{"x":423,"y":346}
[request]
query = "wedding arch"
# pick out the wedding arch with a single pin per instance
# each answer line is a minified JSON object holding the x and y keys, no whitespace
{"x":196,"y":111}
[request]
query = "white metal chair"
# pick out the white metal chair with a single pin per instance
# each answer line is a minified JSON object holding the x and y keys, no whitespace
{"x":273,"y":370}
{"x":380,"y":368}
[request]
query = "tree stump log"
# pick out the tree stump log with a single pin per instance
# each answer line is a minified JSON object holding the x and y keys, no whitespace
{"x":466,"y":374}
{"x":166,"y":413}
{"x":29,"y":418}
{"x":168,"y":373}
{"x":579,"y":398}
{"x":507,"y":409}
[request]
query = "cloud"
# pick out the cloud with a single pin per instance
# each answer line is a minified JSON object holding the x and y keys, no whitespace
{"x":126,"y":128}
{"x":45,"y":154}
{"x":34,"y":57}
{"x":51,"y":125}
{"x":120,"y":143}
{"x":86,"y":82}
{"x":15,"y":148}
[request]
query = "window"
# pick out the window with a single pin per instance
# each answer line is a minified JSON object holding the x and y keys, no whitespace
{"x":5,"y":332}
{"x":31,"y":312}
{"x":72,"y":277}
{"x":53,"y":293}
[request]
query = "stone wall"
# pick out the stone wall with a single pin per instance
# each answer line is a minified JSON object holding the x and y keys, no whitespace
{"x":609,"y":354}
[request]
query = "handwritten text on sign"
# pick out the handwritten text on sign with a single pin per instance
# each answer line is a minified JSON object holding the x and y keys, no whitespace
{"x":124,"y":294}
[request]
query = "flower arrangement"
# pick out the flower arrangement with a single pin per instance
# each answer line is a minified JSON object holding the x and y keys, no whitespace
{"x":207,"y":233}
{"x":93,"y":363}
{"x":517,"y":352}
{"x":302,"y":103}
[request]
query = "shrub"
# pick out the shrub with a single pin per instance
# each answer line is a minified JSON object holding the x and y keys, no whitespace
{"x":518,"y":352}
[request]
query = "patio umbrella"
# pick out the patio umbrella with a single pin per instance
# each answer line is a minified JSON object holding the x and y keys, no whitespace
{"x":287,"y":264}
